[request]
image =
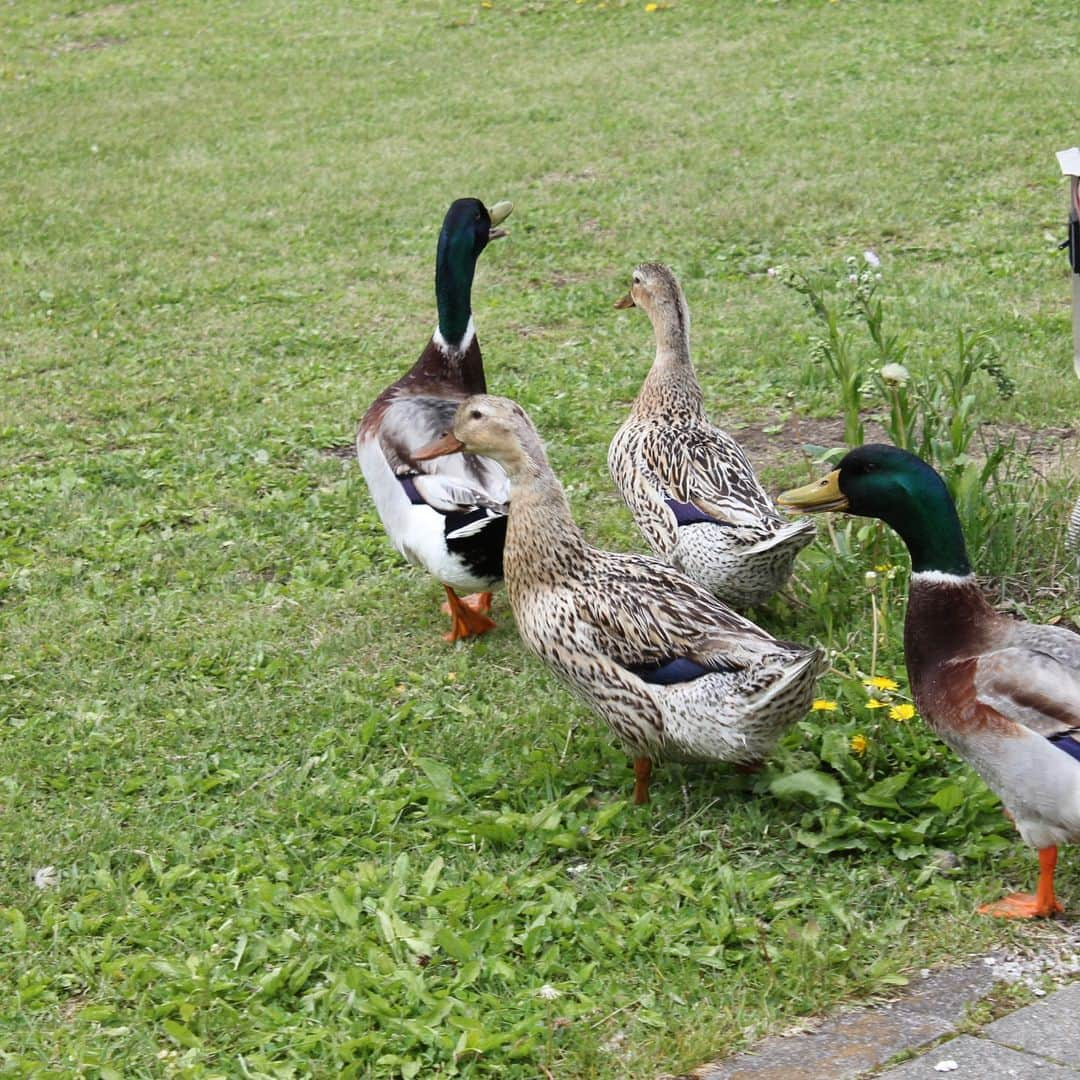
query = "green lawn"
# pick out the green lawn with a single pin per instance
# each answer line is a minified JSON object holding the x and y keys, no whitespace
{"x":292,"y":832}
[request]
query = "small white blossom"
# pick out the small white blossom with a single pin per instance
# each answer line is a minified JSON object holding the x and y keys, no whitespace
{"x":895,"y":373}
{"x":548,"y":992}
{"x":871,"y":259}
{"x":46,"y":877}
{"x":577,"y":868}
{"x":772,"y":271}
{"x":870,"y":578}
{"x":853,"y":277}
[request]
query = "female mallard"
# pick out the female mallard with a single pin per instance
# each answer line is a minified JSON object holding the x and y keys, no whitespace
{"x":447,"y":517}
{"x":673,"y":671}
{"x":1003,"y":693}
{"x":690,"y":487}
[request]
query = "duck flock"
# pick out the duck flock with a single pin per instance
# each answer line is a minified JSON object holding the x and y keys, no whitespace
{"x":656,"y":644}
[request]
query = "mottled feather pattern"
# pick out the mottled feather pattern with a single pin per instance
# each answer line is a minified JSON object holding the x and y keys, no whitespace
{"x":668,"y":450}
{"x":595,"y":615}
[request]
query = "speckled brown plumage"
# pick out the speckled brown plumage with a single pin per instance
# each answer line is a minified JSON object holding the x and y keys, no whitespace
{"x":667,"y":453}
{"x":605,"y":622}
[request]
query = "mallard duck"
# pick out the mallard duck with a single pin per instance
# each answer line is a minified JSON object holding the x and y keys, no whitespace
{"x":674,"y":672}
{"x":449,"y":516}
{"x":690,"y":487}
{"x":1003,"y":693}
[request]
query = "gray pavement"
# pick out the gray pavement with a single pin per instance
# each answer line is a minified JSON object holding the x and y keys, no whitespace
{"x":1038,"y":1042}
{"x":1041,"y":1040}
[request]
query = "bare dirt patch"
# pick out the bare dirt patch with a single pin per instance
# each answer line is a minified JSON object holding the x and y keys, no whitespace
{"x":777,"y":441}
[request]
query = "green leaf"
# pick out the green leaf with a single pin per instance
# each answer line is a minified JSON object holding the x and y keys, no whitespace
{"x":885,"y":791}
{"x":439,"y":775}
{"x":948,"y":798}
{"x":178,"y":1033}
{"x":343,"y":909}
{"x":455,"y":947}
{"x":815,"y":785}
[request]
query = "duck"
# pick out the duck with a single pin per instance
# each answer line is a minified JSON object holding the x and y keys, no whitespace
{"x":690,"y":487}
{"x":1003,"y":693}
{"x":447,"y":517}
{"x":675,"y":673}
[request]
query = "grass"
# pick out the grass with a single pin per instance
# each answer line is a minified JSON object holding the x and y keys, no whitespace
{"x":292,"y":832}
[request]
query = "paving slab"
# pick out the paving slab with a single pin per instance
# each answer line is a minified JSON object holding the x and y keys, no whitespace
{"x":853,"y":1042}
{"x":1050,"y":1027}
{"x":978,"y":1059}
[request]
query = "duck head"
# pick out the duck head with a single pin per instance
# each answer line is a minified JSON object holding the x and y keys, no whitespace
{"x":899,"y":488}
{"x":656,"y":290}
{"x":494,"y":427}
{"x":466,"y":230}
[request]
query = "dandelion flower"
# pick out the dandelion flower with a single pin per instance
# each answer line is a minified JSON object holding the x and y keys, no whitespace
{"x":548,"y":992}
{"x":873,"y":703}
{"x":901,"y":712}
{"x":870,"y":578}
{"x":895,"y":374}
{"x":883,"y":568}
{"x":859,"y":743}
{"x":881,"y":682}
{"x":652,"y":7}
{"x":821,"y":705}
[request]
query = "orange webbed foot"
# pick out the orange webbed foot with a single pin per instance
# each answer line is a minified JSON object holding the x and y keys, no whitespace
{"x":1022,"y":906}
{"x":468,"y":615}
{"x":1038,"y":905}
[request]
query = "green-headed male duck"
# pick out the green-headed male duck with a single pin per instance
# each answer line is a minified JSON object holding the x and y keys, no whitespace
{"x":1003,"y":693}
{"x":447,"y":516}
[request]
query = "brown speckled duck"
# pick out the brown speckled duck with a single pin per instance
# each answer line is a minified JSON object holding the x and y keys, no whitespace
{"x":1003,"y":693}
{"x":447,"y":516}
{"x":690,"y":487}
{"x":673,"y":671}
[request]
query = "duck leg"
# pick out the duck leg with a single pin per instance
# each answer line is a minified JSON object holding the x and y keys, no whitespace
{"x":1040,"y":905}
{"x":642,"y":774}
{"x":468,"y":615}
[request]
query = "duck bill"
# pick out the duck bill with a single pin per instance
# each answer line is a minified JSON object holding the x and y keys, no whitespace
{"x":823,"y":494}
{"x":439,"y":448}
{"x":498,"y":214}
{"x":625,"y":302}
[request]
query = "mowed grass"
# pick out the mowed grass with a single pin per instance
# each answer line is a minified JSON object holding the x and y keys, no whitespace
{"x":292,"y":832}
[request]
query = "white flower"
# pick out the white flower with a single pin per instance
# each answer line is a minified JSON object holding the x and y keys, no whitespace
{"x":871,"y":259}
{"x":577,"y":868}
{"x":895,"y":373}
{"x":853,"y":277}
{"x":870,"y":577}
{"x":46,"y":877}
{"x":548,"y":992}
{"x":772,"y":271}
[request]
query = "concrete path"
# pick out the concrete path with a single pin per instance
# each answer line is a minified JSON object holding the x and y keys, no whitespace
{"x":1041,"y":1040}
{"x":1038,"y":1042}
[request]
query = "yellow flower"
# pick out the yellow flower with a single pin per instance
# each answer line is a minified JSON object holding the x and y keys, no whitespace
{"x":873,"y":703}
{"x":901,"y":712}
{"x":651,"y":7}
{"x":859,"y":743}
{"x":884,"y":568}
{"x":881,"y":682}
{"x":821,"y":705}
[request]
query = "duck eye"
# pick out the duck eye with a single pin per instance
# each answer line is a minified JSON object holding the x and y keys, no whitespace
{"x":637,"y":279}
{"x":476,"y":414}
